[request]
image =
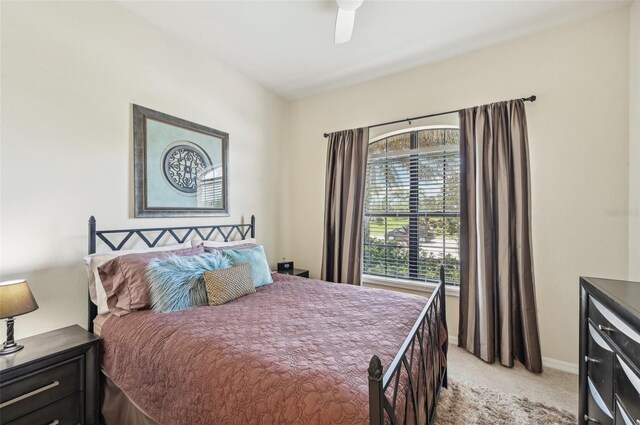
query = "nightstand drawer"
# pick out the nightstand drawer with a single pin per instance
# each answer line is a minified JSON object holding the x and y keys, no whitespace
{"x":40,"y":388}
{"x":62,"y":412}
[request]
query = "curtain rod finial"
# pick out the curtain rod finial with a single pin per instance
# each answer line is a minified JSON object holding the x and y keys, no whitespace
{"x":533,"y":98}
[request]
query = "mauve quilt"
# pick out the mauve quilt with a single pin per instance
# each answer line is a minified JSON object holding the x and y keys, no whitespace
{"x":295,"y":352}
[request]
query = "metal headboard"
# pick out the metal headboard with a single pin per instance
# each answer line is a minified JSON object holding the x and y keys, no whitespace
{"x":179,"y":234}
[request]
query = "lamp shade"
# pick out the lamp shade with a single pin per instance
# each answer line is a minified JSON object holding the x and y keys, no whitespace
{"x":16,"y":299}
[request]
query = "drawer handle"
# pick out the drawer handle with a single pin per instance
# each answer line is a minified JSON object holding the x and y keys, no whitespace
{"x":30,"y":394}
{"x":587,"y":418}
{"x":588,"y":359}
{"x":55,"y":422}
{"x":606,"y":328}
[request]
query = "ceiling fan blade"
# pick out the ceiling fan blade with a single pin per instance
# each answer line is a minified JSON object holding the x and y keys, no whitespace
{"x":344,"y":25}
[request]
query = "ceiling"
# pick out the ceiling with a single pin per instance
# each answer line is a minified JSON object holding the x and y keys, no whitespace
{"x":288,"y":46}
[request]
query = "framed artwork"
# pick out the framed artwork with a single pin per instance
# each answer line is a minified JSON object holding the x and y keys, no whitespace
{"x":180,"y":167}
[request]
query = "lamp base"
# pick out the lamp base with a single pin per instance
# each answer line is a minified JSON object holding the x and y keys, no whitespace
{"x":8,"y":349}
{"x":10,"y":345}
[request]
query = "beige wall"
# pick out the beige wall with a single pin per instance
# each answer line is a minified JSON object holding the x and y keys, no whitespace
{"x":69,"y":74}
{"x":634,"y":142}
{"x":578,"y":132}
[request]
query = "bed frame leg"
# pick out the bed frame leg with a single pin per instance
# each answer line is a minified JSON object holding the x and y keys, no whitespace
{"x":91,"y":249}
{"x":376,"y":410}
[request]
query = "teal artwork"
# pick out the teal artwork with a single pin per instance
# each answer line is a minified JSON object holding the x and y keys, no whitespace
{"x":180,"y":166}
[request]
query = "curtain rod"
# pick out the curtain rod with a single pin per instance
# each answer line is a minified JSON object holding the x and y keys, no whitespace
{"x":525,"y":99}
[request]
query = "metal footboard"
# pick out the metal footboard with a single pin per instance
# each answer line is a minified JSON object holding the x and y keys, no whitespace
{"x":408,"y":393}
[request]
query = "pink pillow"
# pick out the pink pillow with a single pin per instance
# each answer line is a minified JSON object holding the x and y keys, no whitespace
{"x":226,"y":248}
{"x":125,"y":282}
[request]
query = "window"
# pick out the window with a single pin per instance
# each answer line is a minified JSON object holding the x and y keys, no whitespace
{"x":210,"y":193}
{"x":412,"y":205}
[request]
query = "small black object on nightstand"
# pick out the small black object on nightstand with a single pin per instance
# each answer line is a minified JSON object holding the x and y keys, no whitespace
{"x":53,"y":380}
{"x":285,"y":265}
{"x":295,"y":272}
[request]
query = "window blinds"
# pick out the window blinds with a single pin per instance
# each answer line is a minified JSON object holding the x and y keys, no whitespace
{"x":210,"y":192}
{"x":412,"y":207}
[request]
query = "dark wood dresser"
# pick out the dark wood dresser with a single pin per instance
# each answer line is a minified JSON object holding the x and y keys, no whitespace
{"x":53,"y":380}
{"x":609,"y":352}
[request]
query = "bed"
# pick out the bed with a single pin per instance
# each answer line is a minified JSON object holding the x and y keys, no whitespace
{"x":298,"y":351}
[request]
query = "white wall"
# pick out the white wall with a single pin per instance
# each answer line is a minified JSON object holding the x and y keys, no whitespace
{"x":70,"y":71}
{"x":578,"y":132}
{"x":634,"y":142}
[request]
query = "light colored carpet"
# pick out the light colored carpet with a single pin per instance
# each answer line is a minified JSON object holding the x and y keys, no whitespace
{"x":465,"y":404}
{"x":552,"y":387}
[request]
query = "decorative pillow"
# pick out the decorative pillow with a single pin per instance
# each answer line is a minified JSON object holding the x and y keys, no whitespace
{"x":226,"y":248}
{"x":178,"y":283}
{"x":223,"y":244}
{"x":125,"y":283}
{"x":228,"y":284}
{"x":93,"y":261}
{"x":257,"y":260}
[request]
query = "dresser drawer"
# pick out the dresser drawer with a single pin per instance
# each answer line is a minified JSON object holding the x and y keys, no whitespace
{"x":599,"y":360}
{"x":623,"y":335}
{"x":62,"y":412}
{"x":623,"y":417}
{"x":597,"y":411}
{"x":40,"y":388}
{"x":627,"y":386}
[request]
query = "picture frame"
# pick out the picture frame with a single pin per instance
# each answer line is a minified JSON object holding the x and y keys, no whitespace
{"x":181,"y":168}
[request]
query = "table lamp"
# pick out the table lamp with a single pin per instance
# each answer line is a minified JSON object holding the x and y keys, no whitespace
{"x":15,"y":299}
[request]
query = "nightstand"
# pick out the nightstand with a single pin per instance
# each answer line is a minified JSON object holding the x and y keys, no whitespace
{"x":53,"y":380}
{"x":295,"y":272}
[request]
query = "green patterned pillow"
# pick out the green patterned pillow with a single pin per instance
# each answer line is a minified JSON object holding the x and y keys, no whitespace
{"x":226,"y":285}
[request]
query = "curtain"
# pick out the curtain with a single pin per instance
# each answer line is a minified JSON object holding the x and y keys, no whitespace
{"x":497,"y":292}
{"x":344,"y":201}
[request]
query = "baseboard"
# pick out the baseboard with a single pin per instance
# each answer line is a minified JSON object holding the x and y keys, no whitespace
{"x":546,"y":361}
{"x":560,"y":365}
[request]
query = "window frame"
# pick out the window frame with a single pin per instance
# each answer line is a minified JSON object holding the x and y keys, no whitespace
{"x":452,"y":288}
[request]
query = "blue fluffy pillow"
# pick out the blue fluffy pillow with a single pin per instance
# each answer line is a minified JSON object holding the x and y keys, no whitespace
{"x":257,"y":260}
{"x":177,"y":283}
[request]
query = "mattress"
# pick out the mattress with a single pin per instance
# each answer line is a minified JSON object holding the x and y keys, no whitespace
{"x":295,"y":352}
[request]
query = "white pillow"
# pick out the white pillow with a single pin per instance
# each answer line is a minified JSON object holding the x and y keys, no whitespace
{"x":219,"y":244}
{"x":96,"y":290}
